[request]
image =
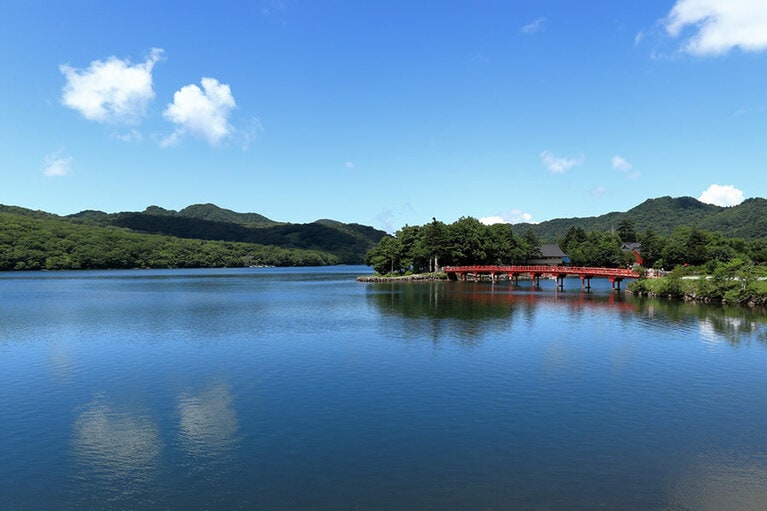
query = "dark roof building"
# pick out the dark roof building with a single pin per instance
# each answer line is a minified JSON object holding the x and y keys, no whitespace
{"x":551,"y":255}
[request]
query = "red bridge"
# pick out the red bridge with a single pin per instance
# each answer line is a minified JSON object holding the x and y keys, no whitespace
{"x":614,"y":275}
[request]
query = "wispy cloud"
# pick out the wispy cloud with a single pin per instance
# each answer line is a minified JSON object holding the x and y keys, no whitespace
{"x":250,"y":133}
{"x":559,"y":165}
{"x":719,"y":25}
{"x":202,"y":113}
{"x":389,"y":219}
{"x":57,"y":164}
{"x":515,"y":216}
{"x":722,"y":195}
{"x":349,"y":165}
{"x":623,"y":165}
{"x":598,"y":191}
{"x":133,"y":135}
{"x":534,"y":26}
{"x":113,"y":91}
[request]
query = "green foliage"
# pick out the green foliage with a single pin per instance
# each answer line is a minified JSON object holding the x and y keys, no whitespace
{"x":574,"y":237}
{"x":348,"y":242}
{"x":599,"y":249}
{"x":214,"y":213}
{"x":423,"y":249}
{"x":671,"y":286}
{"x":626,"y":231}
{"x":651,"y":247}
{"x":47,"y":242}
{"x":737,"y":281}
{"x":663,"y":215}
{"x":530,"y":246}
{"x":386,"y":257}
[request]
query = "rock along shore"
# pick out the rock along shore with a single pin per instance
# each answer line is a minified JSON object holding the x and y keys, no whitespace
{"x":403,"y":278}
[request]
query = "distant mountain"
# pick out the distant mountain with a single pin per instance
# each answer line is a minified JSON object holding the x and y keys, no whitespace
{"x":747,"y":220}
{"x":215,"y":214}
{"x":349,"y":242}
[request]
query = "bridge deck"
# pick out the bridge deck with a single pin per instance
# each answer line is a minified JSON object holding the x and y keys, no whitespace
{"x":614,"y":275}
{"x":542,"y":270}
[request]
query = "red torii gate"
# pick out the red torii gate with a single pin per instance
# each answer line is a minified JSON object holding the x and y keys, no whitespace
{"x":614,"y":275}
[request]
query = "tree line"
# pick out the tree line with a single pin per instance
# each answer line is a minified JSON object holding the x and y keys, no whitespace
{"x":686,"y":246}
{"x":48,"y":243}
{"x":426,"y":248}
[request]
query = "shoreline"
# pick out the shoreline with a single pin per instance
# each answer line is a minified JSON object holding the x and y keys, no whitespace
{"x":416,"y":277}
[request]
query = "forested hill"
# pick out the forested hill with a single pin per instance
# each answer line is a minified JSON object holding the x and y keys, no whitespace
{"x":199,"y":235}
{"x":747,"y":220}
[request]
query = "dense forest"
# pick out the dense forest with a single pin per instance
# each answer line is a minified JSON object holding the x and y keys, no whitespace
{"x":198,"y":236}
{"x":424,"y":248}
{"x":663,"y":215}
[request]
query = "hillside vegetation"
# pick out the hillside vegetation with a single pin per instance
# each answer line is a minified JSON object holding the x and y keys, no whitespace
{"x":663,"y":215}
{"x":198,"y":236}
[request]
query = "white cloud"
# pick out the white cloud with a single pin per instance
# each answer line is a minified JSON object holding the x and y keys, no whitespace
{"x":558,"y":165}
{"x":621,"y":164}
{"x":56,"y":164}
{"x":722,"y":195}
{"x":598,"y":191}
{"x":514,"y":216}
{"x":349,"y":165}
{"x":534,"y":26}
{"x":110,"y":91}
{"x":202,"y":113}
{"x":719,"y":25}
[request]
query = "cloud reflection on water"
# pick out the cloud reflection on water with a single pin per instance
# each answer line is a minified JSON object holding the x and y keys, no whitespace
{"x":723,"y":481}
{"x":116,"y":447}
{"x":208,"y":423}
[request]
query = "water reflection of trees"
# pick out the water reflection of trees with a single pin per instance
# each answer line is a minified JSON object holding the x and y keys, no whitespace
{"x":733,"y":324}
{"x":472,"y":309}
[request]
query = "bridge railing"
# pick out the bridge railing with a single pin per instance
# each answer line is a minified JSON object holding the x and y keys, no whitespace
{"x":544,"y":270}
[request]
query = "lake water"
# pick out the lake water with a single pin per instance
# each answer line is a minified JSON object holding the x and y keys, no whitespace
{"x":302,"y":389}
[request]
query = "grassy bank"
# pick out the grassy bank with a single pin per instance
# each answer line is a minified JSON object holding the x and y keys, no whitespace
{"x":735,"y":283}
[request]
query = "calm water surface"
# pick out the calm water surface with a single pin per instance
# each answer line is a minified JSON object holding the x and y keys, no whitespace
{"x":303,"y":389}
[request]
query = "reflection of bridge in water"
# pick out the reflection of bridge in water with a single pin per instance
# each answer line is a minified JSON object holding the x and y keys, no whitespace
{"x":614,"y":275}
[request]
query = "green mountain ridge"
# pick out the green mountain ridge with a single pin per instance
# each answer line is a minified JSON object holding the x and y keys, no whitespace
{"x":207,"y":235}
{"x":747,"y":220}
{"x":198,"y":235}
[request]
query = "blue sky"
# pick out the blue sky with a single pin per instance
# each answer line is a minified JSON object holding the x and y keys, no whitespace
{"x":382,"y":113}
